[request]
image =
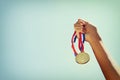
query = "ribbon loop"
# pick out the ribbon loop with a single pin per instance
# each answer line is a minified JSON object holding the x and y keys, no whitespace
{"x":80,"y":42}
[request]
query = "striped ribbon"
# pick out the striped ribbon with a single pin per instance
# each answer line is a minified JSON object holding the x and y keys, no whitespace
{"x":81,"y":41}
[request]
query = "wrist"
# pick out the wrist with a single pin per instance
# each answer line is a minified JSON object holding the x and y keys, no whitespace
{"x":94,"y":39}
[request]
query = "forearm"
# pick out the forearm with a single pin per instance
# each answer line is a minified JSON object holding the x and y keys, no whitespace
{"x":104,"y":60}
{"x":107,"y":65}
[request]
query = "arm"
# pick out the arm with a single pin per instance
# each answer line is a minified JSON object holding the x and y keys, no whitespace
{"x":107,"y":66}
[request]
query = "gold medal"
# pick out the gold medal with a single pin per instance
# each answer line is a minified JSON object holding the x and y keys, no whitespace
{"x":82,"y":58}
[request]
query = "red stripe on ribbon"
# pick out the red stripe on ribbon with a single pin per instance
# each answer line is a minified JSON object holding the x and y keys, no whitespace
{"x":80,"y":43}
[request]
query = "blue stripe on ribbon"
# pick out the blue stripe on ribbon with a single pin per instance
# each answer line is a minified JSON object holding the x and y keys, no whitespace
{"x":83,"y":38}
{"x":75,"y":38}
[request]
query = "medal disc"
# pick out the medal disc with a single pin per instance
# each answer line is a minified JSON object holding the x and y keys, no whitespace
{"x":82,"y":58}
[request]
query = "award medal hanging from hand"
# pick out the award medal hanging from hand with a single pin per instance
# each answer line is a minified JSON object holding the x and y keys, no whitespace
{"x":82,"y":57}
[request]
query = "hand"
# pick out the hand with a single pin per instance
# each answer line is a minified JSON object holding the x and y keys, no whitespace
{"x":107,"y":66}
{"x":89,"y":30}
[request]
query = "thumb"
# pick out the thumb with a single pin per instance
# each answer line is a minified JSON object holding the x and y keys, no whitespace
{"x":77,"y":33}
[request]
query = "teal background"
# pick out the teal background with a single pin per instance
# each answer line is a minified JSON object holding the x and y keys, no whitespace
{"x":35,"y":38}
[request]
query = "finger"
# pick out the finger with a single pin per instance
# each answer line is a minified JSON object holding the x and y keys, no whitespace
{"x":79,"y":22}
{"x":79,"y":19}
{"x":84,"y":30}
{"x":79,"y":28}
{"x":83,"y":21}
{"x":77,"y":25}
{"x":77,"y":33}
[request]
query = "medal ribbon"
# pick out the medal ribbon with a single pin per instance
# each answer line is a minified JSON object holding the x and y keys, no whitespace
{"x":80,"y":42}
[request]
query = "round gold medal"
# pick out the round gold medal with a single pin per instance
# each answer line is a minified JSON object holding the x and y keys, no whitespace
{"x":82,"y":58}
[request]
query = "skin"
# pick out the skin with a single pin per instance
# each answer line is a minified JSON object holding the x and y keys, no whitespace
{"x":109,"y":68}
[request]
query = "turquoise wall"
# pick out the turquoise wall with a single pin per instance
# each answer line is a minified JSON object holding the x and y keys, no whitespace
{"x":35,"y":38}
